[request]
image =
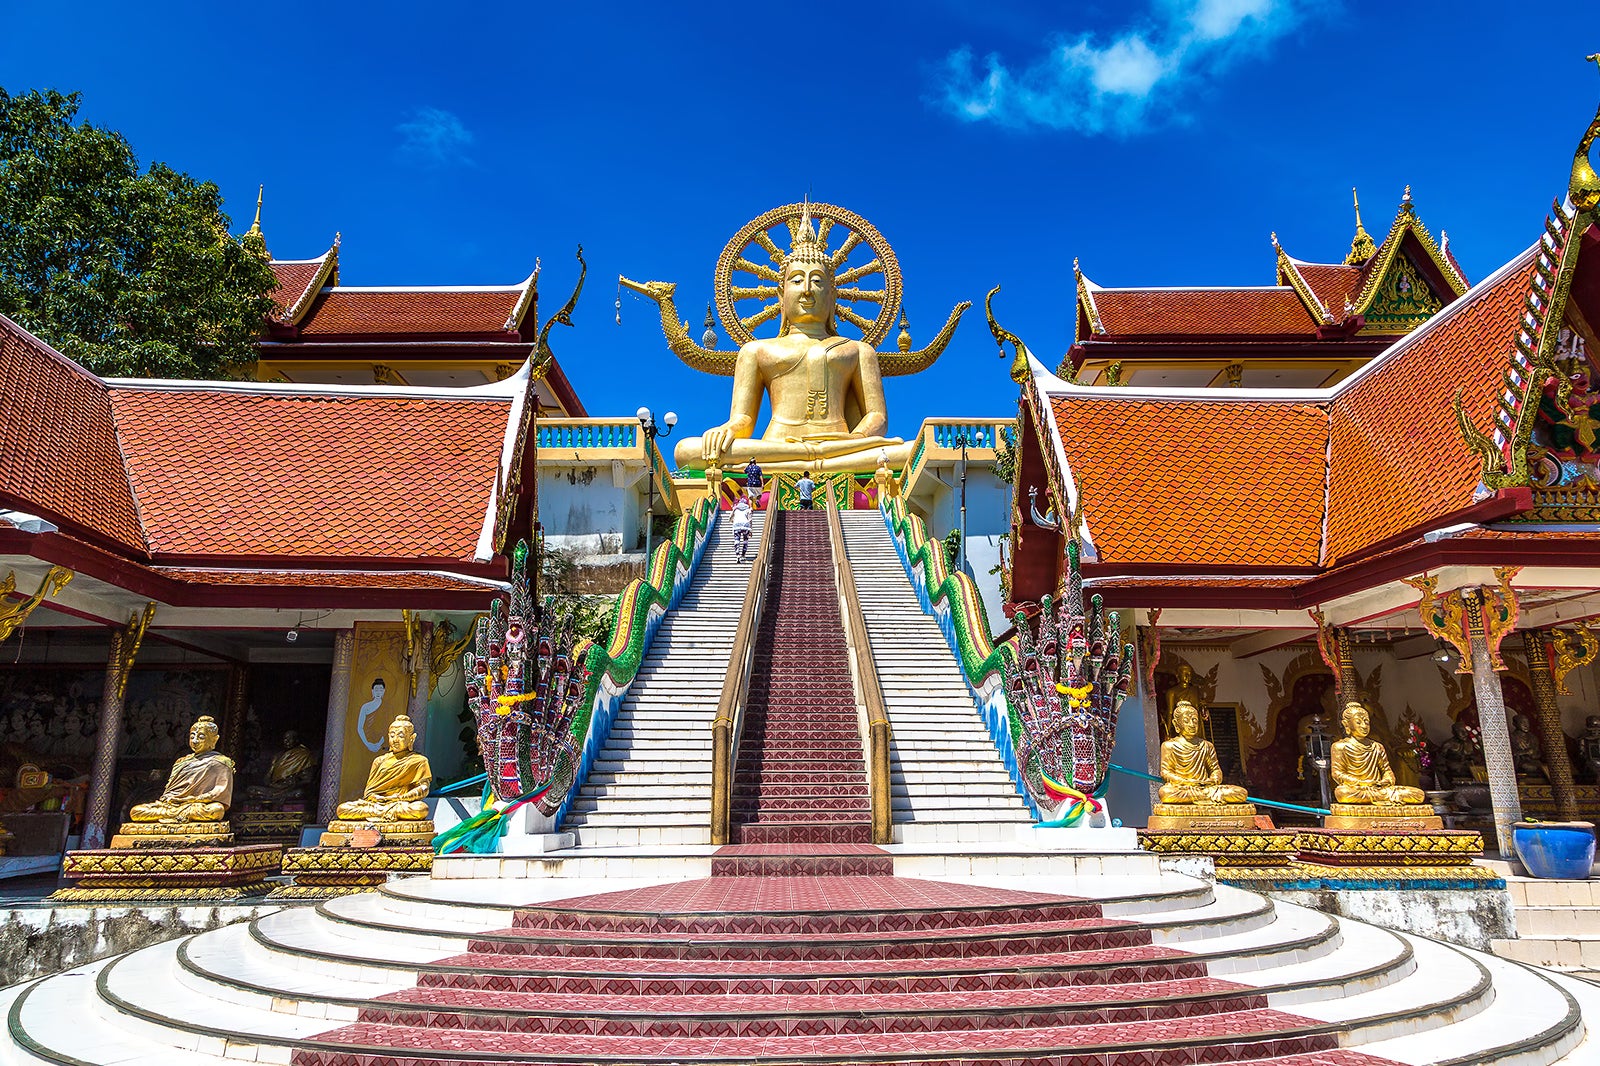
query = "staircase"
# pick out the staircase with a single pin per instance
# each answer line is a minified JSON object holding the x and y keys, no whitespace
{"x":949,"y":784}
{"x":799,"y":776}
{"x":651,"y":783}
{"x":1558,"y":925}
{"x":1138,"y":967}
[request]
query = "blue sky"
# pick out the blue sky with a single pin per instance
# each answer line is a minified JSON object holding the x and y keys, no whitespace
{"x":991,"y":143}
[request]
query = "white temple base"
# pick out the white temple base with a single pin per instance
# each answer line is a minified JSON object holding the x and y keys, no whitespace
{"x":1077,"y":838}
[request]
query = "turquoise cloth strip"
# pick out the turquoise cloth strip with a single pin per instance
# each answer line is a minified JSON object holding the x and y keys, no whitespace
{"x":461,"y":784}
{"x":1252,"y":799}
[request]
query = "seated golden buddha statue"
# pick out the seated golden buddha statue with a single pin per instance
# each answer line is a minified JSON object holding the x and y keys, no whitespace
{"x":200,"y":787}
{"x":828,"y":410}
{"x":1364,"y":787}
{"x":1190,"y":772}
{"x":1192,"y":794}
{"x":292,"y":770}
{"x":396,"y":785}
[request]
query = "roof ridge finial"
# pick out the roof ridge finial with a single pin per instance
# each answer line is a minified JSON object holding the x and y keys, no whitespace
{"x":255,"y":227}
{"x":1362,"y":247}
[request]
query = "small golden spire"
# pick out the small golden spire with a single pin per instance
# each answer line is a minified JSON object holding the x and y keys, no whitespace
{"x":903,"y":342}
{"x":255,"y":227}
{"x":1362,"y":247}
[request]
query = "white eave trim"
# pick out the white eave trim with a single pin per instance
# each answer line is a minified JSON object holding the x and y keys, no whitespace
{"x":485,"y":548}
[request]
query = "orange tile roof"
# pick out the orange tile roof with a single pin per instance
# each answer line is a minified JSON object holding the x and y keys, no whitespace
{"x":294,"y":278}
{"x":1398,"y":458}
{"x":346,"y":311}
{"x":1199,"y":312}
{"x":251,"y":474}
{"x":61,"y":459}
{"x":1234,"y":483}
{"x":1333,"y":283}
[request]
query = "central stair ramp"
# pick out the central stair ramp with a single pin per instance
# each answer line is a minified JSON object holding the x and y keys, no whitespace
{"x":949,"y":783}
{"x":651,"y":782}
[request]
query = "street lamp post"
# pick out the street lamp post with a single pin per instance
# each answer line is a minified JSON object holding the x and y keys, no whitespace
{"x":647,"y":422}
{"x":961,"y":548}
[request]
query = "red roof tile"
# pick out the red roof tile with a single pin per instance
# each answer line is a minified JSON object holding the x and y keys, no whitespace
{"x":1398,"y":456}
{"x":345,"y":311}
{"x":252,"y":474}
{"x":61,"y":459}
{"x":1333,"y":283}
{"x":324,"y":578}
{"x":294,"y":279}
{"x":1200,"y":312}
{"x":1231,"y":483}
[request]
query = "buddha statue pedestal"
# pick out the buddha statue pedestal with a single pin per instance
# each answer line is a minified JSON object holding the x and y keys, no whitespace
{"x":173,"y":835}
{"x":1402,"y":817}
{"x":322,"y":873}
{"x":395,"y":833}
{"x":1203,"y":817}
{"x":1442,"y":857}
{"x":268,"y":827}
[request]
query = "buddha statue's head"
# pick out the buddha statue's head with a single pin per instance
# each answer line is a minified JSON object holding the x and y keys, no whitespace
{"x":806,"y":291}
{"x":203,"y":734}
{"x":1185,"y":675}
{"x":1520,"y":724}
{"x":402,"y":735}
{"x":1186,"y":720}
{"x":291,"y":739}
{"x":1356,"y":721}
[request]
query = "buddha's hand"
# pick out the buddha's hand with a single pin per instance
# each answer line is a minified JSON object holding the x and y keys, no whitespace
{"x":716,"y":441}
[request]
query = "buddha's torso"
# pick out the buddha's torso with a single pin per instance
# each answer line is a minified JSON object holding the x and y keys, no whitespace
{"x":1361,"y":761}
{"x":1189,"y":761}
{"x":809,"y":383}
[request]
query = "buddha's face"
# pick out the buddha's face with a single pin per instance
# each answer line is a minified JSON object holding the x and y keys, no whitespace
{"x":291,"y":739}
{"x":1186,"y":721}
{"x":401,"y":737}
{"x":1520,"y":723}
{"x":808,"y":293}
{"x":1356,"y":721}
{"x":1185,"y":675}
{"x":202,"y":737}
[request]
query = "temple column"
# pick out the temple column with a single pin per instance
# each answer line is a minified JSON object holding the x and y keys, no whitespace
{"x":1147,"y":647}
{"x":421,"y":682}
{"x":1492,"y":723}
{"x":231,"y":743}
{"x":1556,"y":760}
{"x":108,"y":739}
{"x":344,"y":645}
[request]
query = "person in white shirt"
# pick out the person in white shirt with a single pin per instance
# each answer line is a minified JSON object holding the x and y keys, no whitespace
{"x":741,"y":527}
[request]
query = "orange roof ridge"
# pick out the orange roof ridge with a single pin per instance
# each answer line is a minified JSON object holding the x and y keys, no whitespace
{"x":530,"y":289}
{"x":1290,"y":268}
{"x":304,"y":280}
{"x":501,"y":390}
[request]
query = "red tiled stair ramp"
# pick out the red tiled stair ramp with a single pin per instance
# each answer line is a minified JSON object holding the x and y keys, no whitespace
{"x":800,"y":777}
{"x":708,"y":976}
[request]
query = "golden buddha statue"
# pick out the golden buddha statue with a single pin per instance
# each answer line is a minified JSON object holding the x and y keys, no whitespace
{"x":1364,"y":788}
{"x":392,"y":798}
{"x":1192,"y":795}
{"x":291,"y":771}
{"x":1185,"y":691}
{"x":828,"y":410}
{"x":200,"y":787}
{"x":1190,"y":772}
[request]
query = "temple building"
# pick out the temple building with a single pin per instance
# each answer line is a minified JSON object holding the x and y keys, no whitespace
{"x":1314,"y":326}
{"x":283,"y":557}
{"x":1414,"y":531}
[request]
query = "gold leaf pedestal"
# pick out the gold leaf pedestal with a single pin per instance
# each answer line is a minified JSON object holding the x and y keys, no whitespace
{"x":1388,"y":855}
{"x":173,"y":835}
{"x":149,"y":874}
{"x":268,"y":827}
{"x":1204,"y":817}
{"x":1404,"y":817}
{"x":399,"y":833}
{"x":321,"y":873}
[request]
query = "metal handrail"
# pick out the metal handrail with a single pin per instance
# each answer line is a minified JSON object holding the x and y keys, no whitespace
{"x":872,"y":718}
{"x":728,"y":727}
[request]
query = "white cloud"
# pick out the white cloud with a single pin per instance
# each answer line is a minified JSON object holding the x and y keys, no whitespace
{"x":435,"y":137}
{"x":1115,"y":86}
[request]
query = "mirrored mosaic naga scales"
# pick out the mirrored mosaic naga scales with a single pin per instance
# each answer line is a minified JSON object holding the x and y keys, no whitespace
{"x":1065,"y":686}
{"x":525,"y":687}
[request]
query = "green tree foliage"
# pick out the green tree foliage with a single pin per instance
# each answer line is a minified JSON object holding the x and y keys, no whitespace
{"x":129,"y":273}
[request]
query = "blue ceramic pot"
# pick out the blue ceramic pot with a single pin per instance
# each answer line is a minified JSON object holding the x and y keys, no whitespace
{"x":1559,"y":850}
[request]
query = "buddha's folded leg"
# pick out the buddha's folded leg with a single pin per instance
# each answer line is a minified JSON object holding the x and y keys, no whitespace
{"x":1357,"y":794}
{"x":1226,"y":794}
{"x":202,"y":812}
{"x":154,"y":811}
{"x":1403,"y":794}
{"x":1180,"y":794}
{"x":409,"y":811}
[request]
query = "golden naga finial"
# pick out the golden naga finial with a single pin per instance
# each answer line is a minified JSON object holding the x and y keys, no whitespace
{"x":12,"y":615}
{"x":255,"y":227}
{"x":1584,"y":188}
{"x":1020,"y":371}
{"x":1362,"y":246}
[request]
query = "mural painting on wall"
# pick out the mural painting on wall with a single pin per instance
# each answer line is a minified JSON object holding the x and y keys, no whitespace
{"x":1296,"y":704}
{"x":379,"y":690}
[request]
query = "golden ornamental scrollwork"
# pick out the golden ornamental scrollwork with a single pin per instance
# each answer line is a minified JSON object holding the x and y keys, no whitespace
{"x":1572,"y":648}
{"x":1454,"y":616}
{"x":447,"y":652}
{"x":747,"y":272}
{"x":13,"y":615}
{"x":1020,"y":371}
{"x":132,"y":640}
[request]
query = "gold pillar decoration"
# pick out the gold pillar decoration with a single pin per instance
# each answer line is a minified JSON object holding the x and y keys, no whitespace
{"x":12,"y":615}
{"x":1445,"y":617}
{"x":1570,"y":649}
{"x":1235,"y":372}
{"x":421,"y":663}
{"x":233,"y":713}
{"x":387,"y":375}
{"x":125,"y":643}
{"x":1557,"y":763}
{"x":414,"y":655}
{"x":344,"y":644}
{"x":447,"y":650}
{"x":1333,"y":644}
